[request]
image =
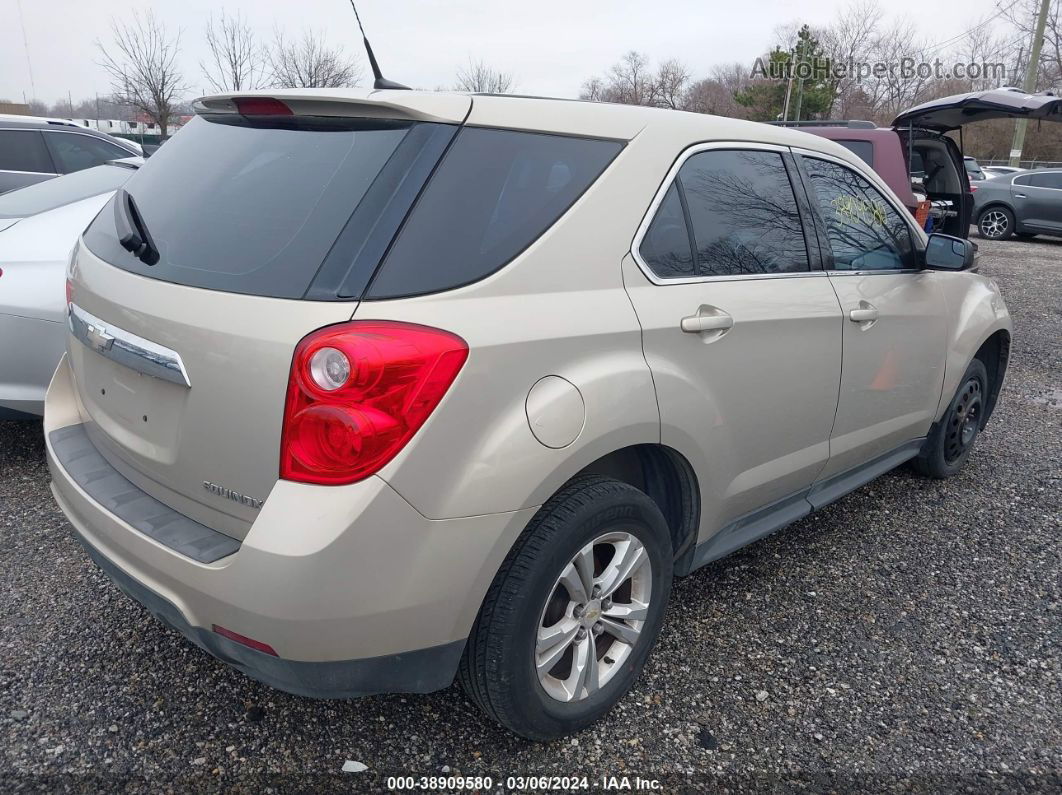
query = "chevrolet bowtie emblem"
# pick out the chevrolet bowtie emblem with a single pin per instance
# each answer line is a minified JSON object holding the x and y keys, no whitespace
{"x":99,"y":339}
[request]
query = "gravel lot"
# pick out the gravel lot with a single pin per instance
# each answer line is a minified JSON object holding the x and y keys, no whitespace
{"x":907,"y":637}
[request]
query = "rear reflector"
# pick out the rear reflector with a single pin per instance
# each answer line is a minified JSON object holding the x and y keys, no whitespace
{"x":250,"y":643}
{"x":358,"y":392}
{"x":261,"y":106}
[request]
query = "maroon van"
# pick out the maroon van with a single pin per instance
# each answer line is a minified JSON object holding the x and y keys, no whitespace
{"x":922,"y":165}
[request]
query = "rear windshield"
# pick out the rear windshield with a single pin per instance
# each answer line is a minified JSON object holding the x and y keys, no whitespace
{"x":250,"y":207}
{"x":63,"y":190}
{"x":307,"y":207}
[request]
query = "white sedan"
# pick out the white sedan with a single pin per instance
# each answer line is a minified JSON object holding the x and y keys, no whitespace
{"x":39,"y":226}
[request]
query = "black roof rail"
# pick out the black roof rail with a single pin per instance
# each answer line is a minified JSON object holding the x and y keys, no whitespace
{"x":853,"y":124}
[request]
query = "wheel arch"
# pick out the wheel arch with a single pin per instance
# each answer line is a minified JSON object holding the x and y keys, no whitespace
{"x":669,"y":479}
{"x":994,"y":354}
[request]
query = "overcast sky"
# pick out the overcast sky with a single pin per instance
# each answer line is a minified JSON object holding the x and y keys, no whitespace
{"x":551,"y":46}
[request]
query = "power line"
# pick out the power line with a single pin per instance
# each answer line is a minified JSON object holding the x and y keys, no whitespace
{"x":938,"y":46}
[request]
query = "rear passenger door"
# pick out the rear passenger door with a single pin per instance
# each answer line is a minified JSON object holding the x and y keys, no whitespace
{"x":741,"y":330}
{"x":894,"y":335}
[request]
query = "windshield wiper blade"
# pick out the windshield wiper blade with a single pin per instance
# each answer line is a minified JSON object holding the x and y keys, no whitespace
{"x":132,"y":233}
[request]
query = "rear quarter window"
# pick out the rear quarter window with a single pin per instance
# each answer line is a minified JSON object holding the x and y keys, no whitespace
{"x":864,"y":150}
{"x":495,"y":193}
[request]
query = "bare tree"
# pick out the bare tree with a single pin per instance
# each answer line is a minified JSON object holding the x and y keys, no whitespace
{"x":479,"y":78}
{"x":1022,"y":15}
{"x":142,"y":64}
{"x":309,"y":62}
{"x":847,"y":43}
{"x":631,"y":82}
{"x":593,"y":90}
{"x":236,"y":61}
{"x":672,"y":84}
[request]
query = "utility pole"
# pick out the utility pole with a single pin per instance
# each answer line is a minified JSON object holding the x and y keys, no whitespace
{"x":788,"y":86}
{"x":800,"y":82}
{"x":1020,"y":125}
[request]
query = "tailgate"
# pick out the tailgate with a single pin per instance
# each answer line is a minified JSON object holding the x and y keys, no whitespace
{"x":183,"y":388}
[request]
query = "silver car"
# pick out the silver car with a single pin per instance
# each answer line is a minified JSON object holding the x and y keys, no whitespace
{"x":39,"y":226}
{"x":366,"y":391}
{"x":1026,"y":204}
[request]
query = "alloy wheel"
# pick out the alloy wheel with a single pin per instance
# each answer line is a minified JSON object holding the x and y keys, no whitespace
{"x":593,"y":616}
{"x":994,"y":224}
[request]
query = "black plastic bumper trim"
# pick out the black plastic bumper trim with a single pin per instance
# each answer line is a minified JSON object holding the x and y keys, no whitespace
{"x":418,"y":671}
{"x":104,"y":484}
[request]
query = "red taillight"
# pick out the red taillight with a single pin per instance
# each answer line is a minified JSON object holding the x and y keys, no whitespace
{"x":261,"y":106}
{"x":250,"y":643}
{"x":358,"y":392}
{"x":973,"y":189}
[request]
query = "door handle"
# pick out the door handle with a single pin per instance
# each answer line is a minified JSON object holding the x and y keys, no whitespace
{"x":1019,"y":195}
{"x":867,"y":313}
{"x":694,"y":324}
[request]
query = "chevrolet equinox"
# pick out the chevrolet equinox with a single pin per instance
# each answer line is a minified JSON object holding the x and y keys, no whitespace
{"x":369,"y":391}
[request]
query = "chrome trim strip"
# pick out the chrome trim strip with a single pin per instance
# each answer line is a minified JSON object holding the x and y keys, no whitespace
{"x":16,"y":171}
{"x":126,"y":348}
{"x":658,"y":199}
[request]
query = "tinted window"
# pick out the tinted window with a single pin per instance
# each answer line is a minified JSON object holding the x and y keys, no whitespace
{"x":494,"y":193}
{"x":62,"y":190}
{"x":864,"y":150}
{"x":74,"y":152}
{"x":1045,"y":180}
{"x":864,"y":230}
{"x":666,"y":245}
{"x":23,"y":150}
{"x":252,"y":207}
{"x":743,"y":214}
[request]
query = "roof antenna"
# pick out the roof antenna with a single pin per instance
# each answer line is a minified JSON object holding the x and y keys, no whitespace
{"x":380,"y":81}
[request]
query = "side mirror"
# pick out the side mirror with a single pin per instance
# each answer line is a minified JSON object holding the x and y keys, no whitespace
{"x":947,"y":253}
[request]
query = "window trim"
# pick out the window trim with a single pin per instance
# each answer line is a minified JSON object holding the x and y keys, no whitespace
{"x":918,"y":236}
{"x":810,"y":235}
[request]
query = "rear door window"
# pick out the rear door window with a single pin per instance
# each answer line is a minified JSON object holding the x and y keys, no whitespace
{"x":495,"y":193}
{"x":667,"y":248}
{"x":742,"y":214}
{"x":23,"y":150}
{"x":865,"y":231}
{"x":1047,"y":179}
{"x":76,"y":151}
{"x":253,"y":207}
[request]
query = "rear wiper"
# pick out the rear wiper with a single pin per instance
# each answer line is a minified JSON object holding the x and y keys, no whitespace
{"x":132,"y":233}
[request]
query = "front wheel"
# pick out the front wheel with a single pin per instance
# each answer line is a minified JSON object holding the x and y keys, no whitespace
{"x":995,"y":223}
{"x":949,"y":444}
{"x":574,"y":611}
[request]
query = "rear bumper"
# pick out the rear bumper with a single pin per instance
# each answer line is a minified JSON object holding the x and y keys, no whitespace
{"x":355,"y":590}
{"x":419,"y":671}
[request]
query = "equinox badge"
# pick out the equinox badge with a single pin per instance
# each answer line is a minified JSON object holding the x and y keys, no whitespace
{"x":229,"y":494}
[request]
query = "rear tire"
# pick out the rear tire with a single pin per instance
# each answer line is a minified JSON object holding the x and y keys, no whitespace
{"x":949,"y":444}
{"x":995,"y":223}
{"x":514,"y":667}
